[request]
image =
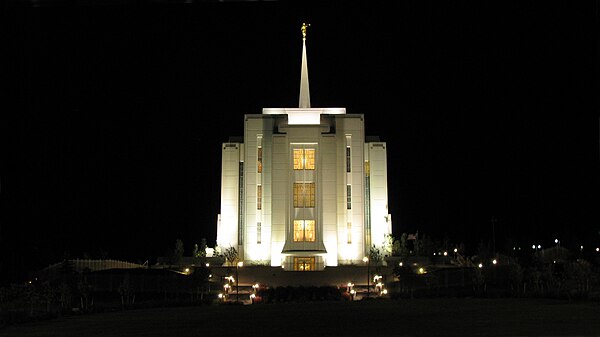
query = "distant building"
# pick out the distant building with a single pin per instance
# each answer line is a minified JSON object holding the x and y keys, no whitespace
{"x":305,"y":188}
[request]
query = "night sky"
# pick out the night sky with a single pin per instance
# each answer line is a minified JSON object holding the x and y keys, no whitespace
{"x":115,"y":113}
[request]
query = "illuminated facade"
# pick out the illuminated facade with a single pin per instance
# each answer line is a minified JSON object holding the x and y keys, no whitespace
{"x":304,"y":189}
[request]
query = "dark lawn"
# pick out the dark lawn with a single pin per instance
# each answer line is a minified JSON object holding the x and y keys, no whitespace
{"x":416,"y":317}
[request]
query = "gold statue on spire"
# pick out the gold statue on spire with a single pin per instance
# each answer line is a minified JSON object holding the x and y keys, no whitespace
{"x":303,"y":29}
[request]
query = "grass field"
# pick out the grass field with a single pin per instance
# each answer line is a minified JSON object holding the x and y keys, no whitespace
{"x":407,"y":317}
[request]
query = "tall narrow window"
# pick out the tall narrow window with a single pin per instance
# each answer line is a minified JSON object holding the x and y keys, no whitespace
{"x":309,"y":157}
{"x":259,"y":159}
{"x":258,"y":196}
{"x":348,"y":154}
{"x":298,"y":159}
{"x":258,"y":233}
{"x":348,"y":197}
{"x":349,"y":229}
{"x":298,"y":230}
{"x":309,"y":230}
{"x":348,"y":161}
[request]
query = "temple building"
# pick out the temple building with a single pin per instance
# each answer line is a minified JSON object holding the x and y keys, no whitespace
{"x":305,"y":189}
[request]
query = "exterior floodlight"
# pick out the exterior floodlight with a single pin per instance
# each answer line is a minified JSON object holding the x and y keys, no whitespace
{"x":480,"y":265}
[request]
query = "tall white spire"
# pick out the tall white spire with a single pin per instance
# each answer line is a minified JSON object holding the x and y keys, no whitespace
{"x":304,"y":91}
{"x":304,"y":114}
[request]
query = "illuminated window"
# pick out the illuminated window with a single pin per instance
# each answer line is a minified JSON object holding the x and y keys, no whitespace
{"x":349,"y":229}
{"x":258,"y":233}
{"x":298,"y":159}
{"x":348,"y":197}
{"x":304,"y":195}
{"x":304,"y":159}
{"x":309,"y":230}
{"x":309,"y":157}
{"x":298,"y":230}
{"x":258,"y":196}
{"x":304,"y":230}
{"x":304,"y":263}
{"x":259,"y":159}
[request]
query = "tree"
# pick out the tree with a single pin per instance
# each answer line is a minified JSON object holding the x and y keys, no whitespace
{"x":515,"y":277}
{"x":231,"y":255}
{"x":426,"y":246}
{"x":407,"y":279}
{"x":199,"y":253}
{"x":400,"y":247}
{"x":202,"y":250}
{"x":176,"y":256}
{"x":375,"y":257}
{"x":85,"y":290}
{"x":417,"y":245}
{"x":478,"y":279}
{"x":49,"y":293}
{"x":65,"y":293}
{"x":126,"y":290}
{"x":200,"y":279}
{"x":388,"y":244}
{"x":581,"y":272}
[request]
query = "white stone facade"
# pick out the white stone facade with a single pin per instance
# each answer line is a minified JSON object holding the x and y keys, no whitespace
{"x":303,"y":190}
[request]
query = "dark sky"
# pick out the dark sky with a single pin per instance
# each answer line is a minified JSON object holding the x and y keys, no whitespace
{"x":115,"y":115}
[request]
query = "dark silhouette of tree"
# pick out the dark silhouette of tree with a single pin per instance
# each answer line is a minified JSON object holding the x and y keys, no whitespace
{"x":231,"y":255}
{"x":176,"y":255}
{"x":375,"y":257}
{"x":126,"y":290}
{"x":199,"y":252}
{"x":402,"y":249}
{"x":85,"y":291}
{"x":406,"y":278}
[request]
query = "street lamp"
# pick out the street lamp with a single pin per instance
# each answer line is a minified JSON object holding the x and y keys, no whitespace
{"x":366,"y":259}
{"x":237,"y":280}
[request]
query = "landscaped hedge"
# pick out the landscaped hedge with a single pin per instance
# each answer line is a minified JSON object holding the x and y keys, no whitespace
{"x":299,"y":294}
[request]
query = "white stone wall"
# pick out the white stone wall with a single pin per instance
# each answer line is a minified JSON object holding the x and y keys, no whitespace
{"x":276,"y":216}
{"x":228,"y":220}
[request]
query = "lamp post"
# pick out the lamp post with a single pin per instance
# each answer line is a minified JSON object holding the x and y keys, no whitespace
{"x":237,"y":281}
{"x":366,"y":259}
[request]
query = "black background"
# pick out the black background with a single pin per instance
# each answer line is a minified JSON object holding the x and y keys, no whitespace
{"x":115,"y":113}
